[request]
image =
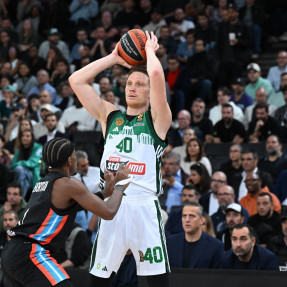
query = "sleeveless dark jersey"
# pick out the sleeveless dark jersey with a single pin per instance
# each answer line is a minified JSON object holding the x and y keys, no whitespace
{"x":42,"y":221}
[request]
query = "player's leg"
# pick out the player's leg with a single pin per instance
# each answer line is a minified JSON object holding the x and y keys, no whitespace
{"x":101,"y":282}
{"x":158,"y":280}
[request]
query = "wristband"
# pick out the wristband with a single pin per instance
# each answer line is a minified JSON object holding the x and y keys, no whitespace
{"x":100,"y":195}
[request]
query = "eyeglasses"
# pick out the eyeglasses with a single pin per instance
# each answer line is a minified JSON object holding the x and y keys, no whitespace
{"x":224,"y":194}
{"x":251,"y":180}
{"x":217,"y":180}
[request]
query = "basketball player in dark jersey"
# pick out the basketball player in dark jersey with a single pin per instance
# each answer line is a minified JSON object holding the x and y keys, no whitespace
{"x":49,"y":218}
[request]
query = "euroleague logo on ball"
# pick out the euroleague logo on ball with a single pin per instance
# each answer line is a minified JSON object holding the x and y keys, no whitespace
{"x":132,"y":47}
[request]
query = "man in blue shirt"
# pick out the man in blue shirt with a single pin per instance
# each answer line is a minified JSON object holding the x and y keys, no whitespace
{"x":246,"y":254}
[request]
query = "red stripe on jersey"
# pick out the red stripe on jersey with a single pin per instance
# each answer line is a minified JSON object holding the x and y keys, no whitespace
{"x":40,"y":266}
{"x":55,"y":233}
{"x":44,"y":224}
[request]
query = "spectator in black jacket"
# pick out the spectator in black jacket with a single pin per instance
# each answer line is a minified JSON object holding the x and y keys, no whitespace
{"x":278,"y":245}
{"x":200,"y":70}
{"x":233,"y":46}
{"x":253,"y":15}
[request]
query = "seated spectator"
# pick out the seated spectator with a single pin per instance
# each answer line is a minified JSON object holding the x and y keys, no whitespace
{"x":13,"y":56}
{"x":229,"y":129}
{"x":277,"y":244}
{"x":240,"y":98}
{"x":43,"y":84}
{"x":181,"y":150}
{"x":281,"y":117}
{"x":15,"y":202}
{"x":209,"y":200}
{"x":202,"y":125}
{"x":207,"y":225}
{"x":100,"y":44}
{"x":54,"y":54}
{"x":277,"y":99}
{"x":26,"y":81}
{"x":225,"y":196}
{"x":233,"y":166}
{"x":173,"y":225}
{"x":223,"y":97}
{"x":199,"y":177}
{"x":253,"y":184}
{"x":162,"y":55}
{"x":274,"y":160}
{"x":53,"y":39}
{"x":263,"y":125}
{"x":275,"y":72}
{"x":35,"y":62}
{"x":194,"y":153}
{"x":200,"y":70}
{"x":111,"y":98}
{"x":266,"y":222}
{"x":61,"y":73}
{"x":234,"y":216}
{"x":193,"y":248}
{"x":4,"y":81}
{"x":26,"y":161}
{"x":186,"y":48}
{"x":174,"y":178}
{"x":119,"y":88}
{"x":180,"y":25}
{"x":246,"y":254}
{"x":178,"y":82}
{"x":156,"y":22}
{"x":9,"y":95}
{"x":66,"y":94}
{"x":261,"y":96}
{"x":256,"y":81}
{"x":167,"y":40}
{"x":5,"y":156}
{"x":82,"y":38}
{"x":176,"y":135}
{"x":51,"y":122}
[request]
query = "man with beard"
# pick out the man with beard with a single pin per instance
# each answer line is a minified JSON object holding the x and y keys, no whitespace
{"x":274,"y":161}
{"x":14,"y":202}
{"x":225,"y":196}
{"x":240,"y":98}
{"x":246,"y":254}
{"x":234,"y":216}
{"x":263,"y":125}
{"x":266,"y":222}
{"x":189,"y":194}
{"x":254,"y":187}
{"x":229,"y":129}
{"x":51,"y":123}
{"x":203,"y":125}
{"x":278,"y":243}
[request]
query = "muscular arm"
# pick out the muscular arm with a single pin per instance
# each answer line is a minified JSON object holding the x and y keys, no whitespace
{"x":89,"y":98}
{"x":160,"y":110}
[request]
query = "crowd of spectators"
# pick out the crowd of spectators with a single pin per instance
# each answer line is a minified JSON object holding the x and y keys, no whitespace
{"x":215,"y":88}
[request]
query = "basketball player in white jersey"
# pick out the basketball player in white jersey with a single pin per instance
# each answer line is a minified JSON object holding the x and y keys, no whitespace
{"x":137,"y":138}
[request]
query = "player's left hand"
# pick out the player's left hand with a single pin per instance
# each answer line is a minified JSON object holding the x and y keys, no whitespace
{"x":151,"y":42}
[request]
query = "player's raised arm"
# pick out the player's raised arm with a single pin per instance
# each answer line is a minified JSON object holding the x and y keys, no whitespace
{"x":160,"y":110}
{"x":80,"y":83}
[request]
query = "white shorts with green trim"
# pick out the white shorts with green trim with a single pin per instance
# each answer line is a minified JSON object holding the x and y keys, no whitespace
{"x":137,"y":226}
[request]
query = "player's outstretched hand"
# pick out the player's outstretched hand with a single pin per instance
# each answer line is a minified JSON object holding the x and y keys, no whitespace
{"x":151,"y":41}
{"x":111,"y":180}
{"x":119,"y":60}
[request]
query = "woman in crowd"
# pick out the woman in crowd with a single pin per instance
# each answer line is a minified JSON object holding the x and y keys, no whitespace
{"x":199,"y":177}
{"x":194,"y":153}
{"x":14,"y":60}
{"x":53,"y":55}
{"x":26,"y":81}
{"x":5,"y":156}
{"x":26,"y":161}
{"x":187,"y":136}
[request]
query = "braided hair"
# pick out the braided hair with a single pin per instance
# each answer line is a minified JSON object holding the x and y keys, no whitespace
{"x":57,"y":151}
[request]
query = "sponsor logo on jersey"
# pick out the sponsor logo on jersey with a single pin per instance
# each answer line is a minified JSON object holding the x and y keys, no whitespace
{"x":141,"y":256}
{"x":114,"y":163}
{"x":116,"y":129}
{"x":119,"y":122}
{"x":140,"y":117}
{"x":99,"y":265}
{"x":105,"y":269}
{"x":139,"y":125}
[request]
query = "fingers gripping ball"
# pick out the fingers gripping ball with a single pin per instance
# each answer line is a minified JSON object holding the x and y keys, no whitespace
{"x":132,"y":47}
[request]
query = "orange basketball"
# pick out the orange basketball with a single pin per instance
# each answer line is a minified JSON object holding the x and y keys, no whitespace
{"x":132,"y":47}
